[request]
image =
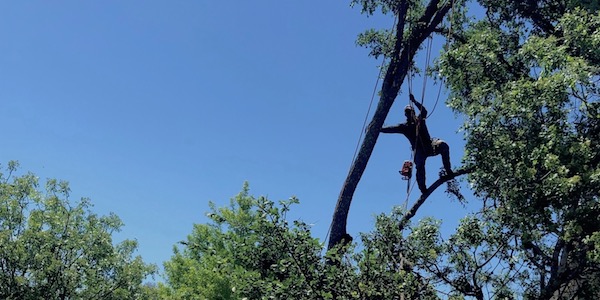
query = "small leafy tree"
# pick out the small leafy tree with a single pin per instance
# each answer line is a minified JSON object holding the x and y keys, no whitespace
{"x":248,"y":250}
{"x":51,"y":248}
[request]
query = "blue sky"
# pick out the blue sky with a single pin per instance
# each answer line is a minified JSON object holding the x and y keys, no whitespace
{"x":154,"y":108}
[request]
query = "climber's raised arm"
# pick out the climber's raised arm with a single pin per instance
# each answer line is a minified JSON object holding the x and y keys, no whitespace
{"x":422,"y":110}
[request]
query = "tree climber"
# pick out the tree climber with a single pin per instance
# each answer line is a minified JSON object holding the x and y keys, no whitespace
{"x":415,"y":130}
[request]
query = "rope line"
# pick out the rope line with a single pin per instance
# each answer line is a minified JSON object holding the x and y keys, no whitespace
{"x":368,"y":112}
{"x":362,"y":131}
{"x":436,"y":101}
{"x":427,"y":59}
{"x":448,"y":41}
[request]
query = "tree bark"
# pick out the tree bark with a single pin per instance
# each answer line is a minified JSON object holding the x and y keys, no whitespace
{"x":402,"y":56}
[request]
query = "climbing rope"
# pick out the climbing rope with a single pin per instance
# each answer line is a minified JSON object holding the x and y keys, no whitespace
{"x":448,"y":39}
{"x":368,"y":112}
{"x":362,"y":131}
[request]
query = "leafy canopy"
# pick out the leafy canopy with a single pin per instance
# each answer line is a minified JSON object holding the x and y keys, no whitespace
{"x":525,"y":80}
{"x":52,"y":248}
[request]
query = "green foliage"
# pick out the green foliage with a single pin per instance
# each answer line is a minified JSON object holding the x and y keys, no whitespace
{"x":526,"y":81}
{"x":248,"y":250}
{"x":386,"y":261}
{"x":410,"y":16}
{"x":52,"y":249}
{"x":371,"y":6}
{"x":381,"y":42}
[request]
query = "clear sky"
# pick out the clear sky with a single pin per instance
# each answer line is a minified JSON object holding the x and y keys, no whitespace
{"x":154,"y":108}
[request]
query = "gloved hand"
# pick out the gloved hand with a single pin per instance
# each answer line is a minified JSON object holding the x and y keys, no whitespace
{"x":412,"y":98}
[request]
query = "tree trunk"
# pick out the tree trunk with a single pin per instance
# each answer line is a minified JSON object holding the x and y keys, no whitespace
{"x":403,"y":54}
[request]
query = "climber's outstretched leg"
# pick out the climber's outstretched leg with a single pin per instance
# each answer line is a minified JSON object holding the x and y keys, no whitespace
{"x":441,"y":147}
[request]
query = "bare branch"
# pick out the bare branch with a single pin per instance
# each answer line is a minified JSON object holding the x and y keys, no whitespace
{"x":413,"y":210}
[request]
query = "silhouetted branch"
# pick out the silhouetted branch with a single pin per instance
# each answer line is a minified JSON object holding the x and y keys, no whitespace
{"x":413,"y":210}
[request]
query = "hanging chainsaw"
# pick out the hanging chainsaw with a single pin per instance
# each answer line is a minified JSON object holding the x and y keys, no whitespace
{"x":406,"y":173}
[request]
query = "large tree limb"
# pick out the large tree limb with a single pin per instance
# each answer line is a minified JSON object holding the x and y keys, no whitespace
{"x":390,"y":87}
{"x":413,"y":210}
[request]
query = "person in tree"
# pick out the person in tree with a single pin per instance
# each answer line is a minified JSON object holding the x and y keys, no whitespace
{"x":415,"y":130}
